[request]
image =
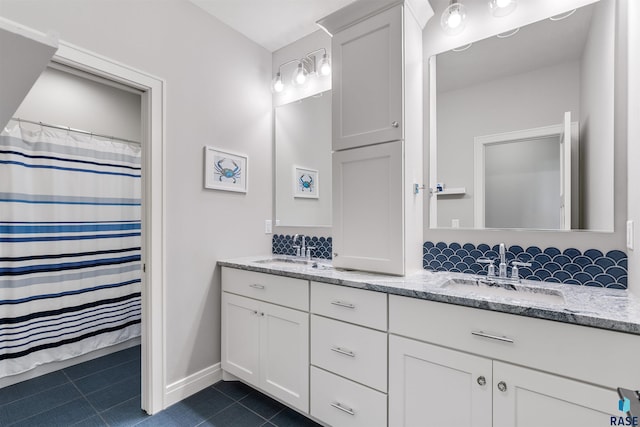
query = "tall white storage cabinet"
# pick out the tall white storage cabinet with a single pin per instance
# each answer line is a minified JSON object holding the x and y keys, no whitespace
{"x":377,"y":134}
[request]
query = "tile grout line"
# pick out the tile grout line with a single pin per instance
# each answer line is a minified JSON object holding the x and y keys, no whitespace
{"x":85,"y":398}
{"x":32,"y":394}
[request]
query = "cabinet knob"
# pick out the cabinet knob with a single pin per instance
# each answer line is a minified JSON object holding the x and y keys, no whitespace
{"x":395,"y":124}
{"x":335,"y":254}
{"x":502,"y":386}
{"x":482,"y":380}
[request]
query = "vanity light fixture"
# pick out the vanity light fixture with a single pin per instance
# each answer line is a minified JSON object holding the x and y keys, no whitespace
{"x":502,"y":7}
{"x":308,"y":66}
{"x":453,"y":18}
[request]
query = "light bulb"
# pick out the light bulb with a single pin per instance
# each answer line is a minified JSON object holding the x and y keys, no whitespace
{"x":325,"y":66}
{"x":502,"y":7}
{"x":300,"y":75}
{"x":278,"y":86}
{"x":453,"y":19}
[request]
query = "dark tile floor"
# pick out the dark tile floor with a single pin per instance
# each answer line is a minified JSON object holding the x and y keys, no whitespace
{"x":106,"y":392}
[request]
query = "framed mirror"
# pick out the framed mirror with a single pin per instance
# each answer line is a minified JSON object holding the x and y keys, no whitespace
{"x":303,"y":162}
{"x":522,"y":133}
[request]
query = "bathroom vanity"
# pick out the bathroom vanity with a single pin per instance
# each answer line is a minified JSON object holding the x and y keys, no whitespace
{"x":360,"y":349}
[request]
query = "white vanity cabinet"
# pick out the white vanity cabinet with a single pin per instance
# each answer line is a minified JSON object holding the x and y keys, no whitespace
{"x":265,"y":344}
{"x":367,"y":81}
{"x":455,"y":365}
{"x":348,"y":356}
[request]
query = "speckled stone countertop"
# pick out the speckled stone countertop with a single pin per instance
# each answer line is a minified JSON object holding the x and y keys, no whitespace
{"x":611,"y":309}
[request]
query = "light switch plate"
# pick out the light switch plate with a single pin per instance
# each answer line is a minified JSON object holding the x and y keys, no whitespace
{"x":268,"y":229}
{"x":630,"y":235}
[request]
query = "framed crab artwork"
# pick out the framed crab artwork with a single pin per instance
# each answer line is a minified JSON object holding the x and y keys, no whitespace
{"x":224,"y":170}
{"x":305,"y":183}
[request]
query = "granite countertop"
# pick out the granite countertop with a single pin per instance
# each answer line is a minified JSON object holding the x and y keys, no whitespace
{"x":611,"y":309}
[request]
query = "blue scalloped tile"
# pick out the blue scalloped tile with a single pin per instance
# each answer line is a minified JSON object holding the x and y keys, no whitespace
{"x":616,"y":271}
{"x":616,"y":255}
{"x":572,"y":252}
{"x":552,"y":251}
{"x":593,"y":283}
{"x":533,"y":250}
{"x":594,"y":270}
{"x":607,"y":262}
{"x":593,"y":254}
{"x":551,"y":264}
{"x":561,"y":259}
{"x":283,"y":245}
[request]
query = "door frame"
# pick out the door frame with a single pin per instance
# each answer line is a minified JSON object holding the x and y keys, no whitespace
{"x":481,"y":142}
{"x":153,"y":209}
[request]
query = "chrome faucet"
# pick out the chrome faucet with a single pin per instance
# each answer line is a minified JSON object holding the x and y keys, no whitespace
{"x":300,"y":249}
{"x":502,"y":267}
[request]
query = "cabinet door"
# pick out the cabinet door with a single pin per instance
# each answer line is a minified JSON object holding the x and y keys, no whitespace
{"x":368,"y":208}
{"x":367,"y":81}
{"x":284,"y":346}
{"x":241,"y":337}
{"x":435,"y":386}
{"x":532,"y":399}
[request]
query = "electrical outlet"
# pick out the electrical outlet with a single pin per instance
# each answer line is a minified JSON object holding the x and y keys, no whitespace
{"x":630,"y":234}
{"x":268,"y":229}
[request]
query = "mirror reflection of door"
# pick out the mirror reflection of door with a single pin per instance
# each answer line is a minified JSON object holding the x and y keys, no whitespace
{"x":524,"y":178}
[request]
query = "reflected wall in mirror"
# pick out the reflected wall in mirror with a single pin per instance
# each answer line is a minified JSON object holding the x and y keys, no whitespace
{"x":303,"y":162}
{"x":494,"y":103}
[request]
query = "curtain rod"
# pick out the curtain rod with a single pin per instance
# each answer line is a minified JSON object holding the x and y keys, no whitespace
{"x":69,"y":129}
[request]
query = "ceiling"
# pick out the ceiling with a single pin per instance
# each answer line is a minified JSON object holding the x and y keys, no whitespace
{"x":272,"y":24}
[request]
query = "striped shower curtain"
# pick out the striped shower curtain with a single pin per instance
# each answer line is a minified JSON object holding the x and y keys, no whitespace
{"x":69,"y":245}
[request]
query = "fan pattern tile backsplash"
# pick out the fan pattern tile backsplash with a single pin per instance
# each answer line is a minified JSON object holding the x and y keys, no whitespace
{"x":570,"y":266}
{"x":282,"y":244}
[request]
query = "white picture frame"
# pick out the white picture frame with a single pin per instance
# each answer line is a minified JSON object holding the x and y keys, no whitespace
{"x":225,"y":170}
{"x":306,"y":183}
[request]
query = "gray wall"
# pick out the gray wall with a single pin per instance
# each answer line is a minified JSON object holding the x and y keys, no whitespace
{"x":217,"y":94}
{"x":62,"y":98}
{"x":496,"y":107}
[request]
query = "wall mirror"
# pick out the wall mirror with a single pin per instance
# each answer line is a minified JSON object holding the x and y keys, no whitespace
{"x":524,"y":127}
{"x":303,"y":162}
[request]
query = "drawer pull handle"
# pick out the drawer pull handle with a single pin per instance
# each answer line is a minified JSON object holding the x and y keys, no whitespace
{"x":256,"y":286}
{"x":343,"y":304}
{"x":342,"y":408}
{"x":343,"y":351}
{"x":493,"y":337}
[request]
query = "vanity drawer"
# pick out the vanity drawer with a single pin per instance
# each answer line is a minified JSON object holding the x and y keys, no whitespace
{"x":588,"y":354}
{"x":340,"y":402}
{"x":359,"y":306}
{"x":352,"y":351}
{"x":280,"y":290}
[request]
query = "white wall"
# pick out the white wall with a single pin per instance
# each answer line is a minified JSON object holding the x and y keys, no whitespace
{"x":61,"y":98}
{"x":496,"y":107}
{"x":217,"y":94}
{"x":596,"y":120}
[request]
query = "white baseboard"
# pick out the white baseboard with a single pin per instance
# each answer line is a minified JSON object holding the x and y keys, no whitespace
{"x":56,"y":366}
{"x":181,"y":389}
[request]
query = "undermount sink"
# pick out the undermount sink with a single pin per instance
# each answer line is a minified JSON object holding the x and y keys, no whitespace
{"x":292,"y":262}
{"x":505,"y":289}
